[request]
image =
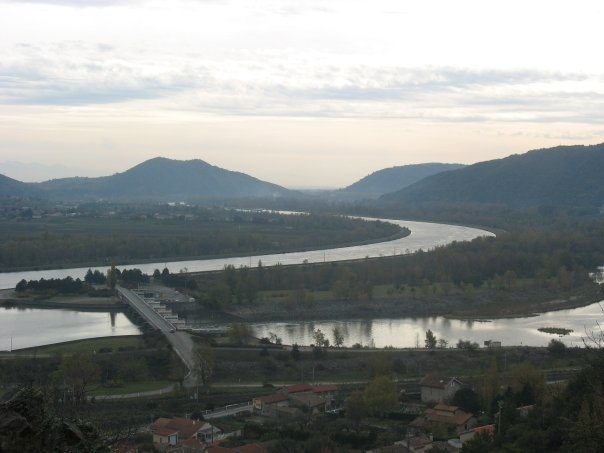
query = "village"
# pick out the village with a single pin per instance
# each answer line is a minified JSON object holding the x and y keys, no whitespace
{"x":430,"y":422}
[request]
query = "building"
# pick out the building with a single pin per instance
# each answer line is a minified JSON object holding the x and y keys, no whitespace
{"x":435,"y":389}
{"x":452,"y":416}
{"x":466,"y":436}
{"x":268,"y":405}
{"x":170,"y":432}
{"x":307,"y":398}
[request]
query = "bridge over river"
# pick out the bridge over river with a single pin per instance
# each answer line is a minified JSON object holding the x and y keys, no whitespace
{"x":180,"y":341}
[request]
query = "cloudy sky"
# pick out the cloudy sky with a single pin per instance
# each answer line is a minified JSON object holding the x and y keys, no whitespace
{"x":296,"y":92}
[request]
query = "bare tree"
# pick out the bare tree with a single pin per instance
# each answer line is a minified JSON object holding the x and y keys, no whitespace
{"x":594,"y":338}
{"x":203,"y":357}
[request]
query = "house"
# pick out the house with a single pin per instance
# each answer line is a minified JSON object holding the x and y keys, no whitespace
{"x":435,"y":389}
{"x":419,"y":443}
{"x":450,"y":415}
{"x":267,"y":405}
{"x":308,"y":402}
{"x":169,"y":432}
{"x":311,"y":399}
{"x":289,"y":413}
{"x":469,"y":435}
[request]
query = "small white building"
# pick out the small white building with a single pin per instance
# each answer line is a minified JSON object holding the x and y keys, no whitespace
{"x":436,"y":389}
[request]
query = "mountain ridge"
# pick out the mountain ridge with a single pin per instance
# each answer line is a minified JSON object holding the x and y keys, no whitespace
{"x":163,"y":178}
{"x":569,"y":175}
{"x":391,"y":179}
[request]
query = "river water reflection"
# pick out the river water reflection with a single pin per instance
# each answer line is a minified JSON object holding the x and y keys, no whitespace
{"x":410,"y":332}
{"x":29,"y":327}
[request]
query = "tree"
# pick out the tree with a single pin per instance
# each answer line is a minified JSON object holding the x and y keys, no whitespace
{"x":556,"y":347}
{"x":528,"y":382}
{"x":239,"y":333}
{"x":320,"y":340}
{"x":381,"y":396}
{"x":355,"y":407}
{"x":490,"y":386}
{"x":338,"y":337}
{"x":295,"y":351}
{"x":430,"y":340}
{"x":442,"y":343}
{"x":21,"y":286}
{"x":112,"y":277}
{"x":467,"y":399}
{"x":77,"y":371}
{"x":203,"y":365}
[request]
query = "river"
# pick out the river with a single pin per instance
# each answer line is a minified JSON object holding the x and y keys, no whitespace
{"x":28,"y":327}
{"x":424,"y":236}
{"x":34,"y":327}
{"x":411,"y":332}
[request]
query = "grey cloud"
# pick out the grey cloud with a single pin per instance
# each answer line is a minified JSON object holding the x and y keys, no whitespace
{"x":274,"y":88}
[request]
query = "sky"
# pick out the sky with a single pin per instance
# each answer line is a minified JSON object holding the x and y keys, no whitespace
{"x":301,"y":93}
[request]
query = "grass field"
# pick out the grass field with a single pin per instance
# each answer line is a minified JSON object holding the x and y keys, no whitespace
{"x":130,"y":388}
{"x":90,"y":346}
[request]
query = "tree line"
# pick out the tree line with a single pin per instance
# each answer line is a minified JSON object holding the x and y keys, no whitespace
{"x":549,"y":259}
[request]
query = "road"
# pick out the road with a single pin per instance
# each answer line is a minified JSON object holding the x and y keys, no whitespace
{"x":180,"y":341}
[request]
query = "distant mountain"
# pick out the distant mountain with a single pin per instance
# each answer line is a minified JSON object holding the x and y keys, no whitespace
{"x":390,"y":180}
{"x":37,"y":172}
{"x":565,"y":175}
{"x":10,"y":187}
{"x":164,"y":179}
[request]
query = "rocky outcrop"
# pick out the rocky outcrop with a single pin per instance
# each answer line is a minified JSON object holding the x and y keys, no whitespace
{"x":26,"y":425}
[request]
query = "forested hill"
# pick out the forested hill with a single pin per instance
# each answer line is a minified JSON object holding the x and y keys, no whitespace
{"x":164,"y":179}
{"x":391,"y":179}
{"x":564,"y":175}
{"x":10,"y":187}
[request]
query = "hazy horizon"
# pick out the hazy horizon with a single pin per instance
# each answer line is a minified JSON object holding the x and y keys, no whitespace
{"x":301,"y":94}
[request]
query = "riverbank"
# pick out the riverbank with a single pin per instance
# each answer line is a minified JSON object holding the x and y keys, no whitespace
{"x":480,"y":304}
{"x":9,"y":298}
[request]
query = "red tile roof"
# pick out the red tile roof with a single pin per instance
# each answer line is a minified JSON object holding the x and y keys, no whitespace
{"x":274,"y":398}
{"x":325,"y":388}
{"x":487,"y":429}
{"x":297,"y":388}
{"x":436,"y":382}
{"x":186,"y":428}
{"x":164,"y":431}
{"x":447,"y":414}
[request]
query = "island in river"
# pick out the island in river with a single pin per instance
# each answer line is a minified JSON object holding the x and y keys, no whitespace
{"x":477,"y":304}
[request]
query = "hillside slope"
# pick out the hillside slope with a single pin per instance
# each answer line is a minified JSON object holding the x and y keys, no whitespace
{"x":391,"y":179}
{"x":162,"y":178}
{"x":564,"y":175}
